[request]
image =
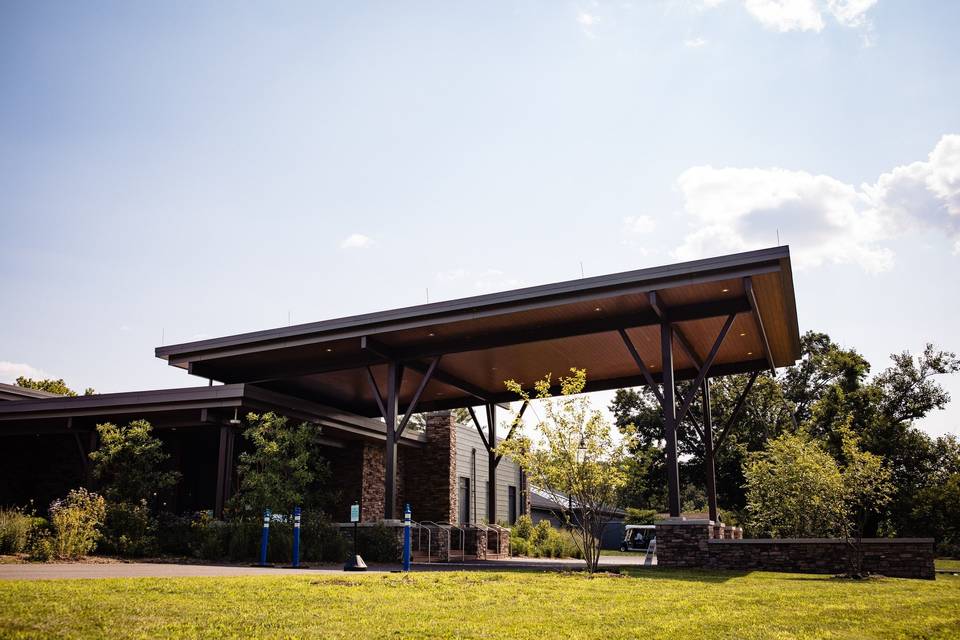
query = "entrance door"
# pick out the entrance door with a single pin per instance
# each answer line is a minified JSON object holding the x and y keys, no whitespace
{"x":464,"y":499}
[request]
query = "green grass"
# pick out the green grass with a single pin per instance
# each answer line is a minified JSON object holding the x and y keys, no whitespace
{"x":949,"y":564}
{"x":648,"y":605}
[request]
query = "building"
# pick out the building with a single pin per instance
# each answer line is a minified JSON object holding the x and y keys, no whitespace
{"x":362,"y":379}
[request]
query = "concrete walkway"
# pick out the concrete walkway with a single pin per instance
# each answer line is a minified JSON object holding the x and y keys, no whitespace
{"x":75,"y":570}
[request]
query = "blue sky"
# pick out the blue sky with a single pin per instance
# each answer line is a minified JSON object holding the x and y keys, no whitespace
{"x":173,"y":171}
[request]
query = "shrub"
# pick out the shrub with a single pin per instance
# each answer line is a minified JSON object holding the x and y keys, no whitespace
{"x":129,"y":530}
{"x":15,"y":526}
{"x":640,"y":516}
{"x":542,"y":540}
{"x":174,"y":534}
{"x":75,"y":522}
{"x":541,"y":532}
{"x":377,"y":544}
{"x":522,"y":528}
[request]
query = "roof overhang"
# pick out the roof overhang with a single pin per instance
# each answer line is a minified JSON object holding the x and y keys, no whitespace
{"x":171,"y":408}
{"x":524,"y":334}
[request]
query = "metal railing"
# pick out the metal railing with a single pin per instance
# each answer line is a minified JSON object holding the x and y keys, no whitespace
{"x":450,"y":528}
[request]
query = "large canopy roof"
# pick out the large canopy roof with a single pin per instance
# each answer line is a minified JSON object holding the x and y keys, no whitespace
{"x":524,"y":334}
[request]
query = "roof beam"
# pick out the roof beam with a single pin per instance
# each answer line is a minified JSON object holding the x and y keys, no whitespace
{"x":752,"y":298}
{"x":705,"y":368}
{"x":641,"y":364}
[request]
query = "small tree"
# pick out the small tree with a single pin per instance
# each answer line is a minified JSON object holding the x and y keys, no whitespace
{"x":573,"y":453}
{"x":867,"y":489}
{"x":794,"y":490}
{"x":126,"y":467}
{"x":284,"y":468}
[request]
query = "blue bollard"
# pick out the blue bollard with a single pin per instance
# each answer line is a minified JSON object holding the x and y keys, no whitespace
{"x":296,"y":537}
{"x":406,"y":538}
{"x":265,"y":537}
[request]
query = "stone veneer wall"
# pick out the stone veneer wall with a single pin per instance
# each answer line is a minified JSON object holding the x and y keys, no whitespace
{"x":372,"y":491}
{"x":430,"y":473}
{"x":698,"y":543}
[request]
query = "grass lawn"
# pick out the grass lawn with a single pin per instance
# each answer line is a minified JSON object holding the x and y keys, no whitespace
{"x":647,"y":605}
{"x":947,"y":563}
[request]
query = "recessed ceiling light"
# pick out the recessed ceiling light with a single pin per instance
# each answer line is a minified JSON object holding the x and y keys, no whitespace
{"x":431,"y":334}
{"x":599,"y":309}
{"x":329,"y":350}
{"x":742,"y":333}
{"x":726,"y":290}
{"x":749,"y":353}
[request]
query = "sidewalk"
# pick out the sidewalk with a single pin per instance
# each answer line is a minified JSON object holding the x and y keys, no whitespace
{"x":77,"y":570}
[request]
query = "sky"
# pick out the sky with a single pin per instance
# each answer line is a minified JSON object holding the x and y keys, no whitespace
{"x":181,"y":170}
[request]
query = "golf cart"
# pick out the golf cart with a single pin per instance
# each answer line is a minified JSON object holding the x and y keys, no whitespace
{"x":638,"y":537}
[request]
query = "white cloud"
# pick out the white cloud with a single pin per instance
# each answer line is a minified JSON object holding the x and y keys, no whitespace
{"x":639,"y":224}
{"x":451,"y":274}
{"x":822,"y":218}
{"x":786,"y":15}
{"x":806,"y":15}
{"x":494,"y":280}
{"x":10,"y":371}
{"x":356,"y":241}
{"x":694,"y":43}
{"x":587,"y":20}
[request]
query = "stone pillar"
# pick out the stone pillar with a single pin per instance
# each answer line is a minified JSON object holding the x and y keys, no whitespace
{"x":430,"y":484}
{"x":372,"y":490}
{"x":683,"y":543}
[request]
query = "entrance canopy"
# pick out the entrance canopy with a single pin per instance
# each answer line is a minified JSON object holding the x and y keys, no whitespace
{"x":458,"y":353}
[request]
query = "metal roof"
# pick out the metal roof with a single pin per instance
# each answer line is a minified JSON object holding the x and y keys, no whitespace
{"x":524,"y":334}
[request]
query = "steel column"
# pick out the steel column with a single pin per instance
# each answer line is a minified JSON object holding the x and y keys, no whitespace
{"x":670,"y":419}
{"x":709,"y":454}
{"x":492,"y":463}
{"x":390,"y":457}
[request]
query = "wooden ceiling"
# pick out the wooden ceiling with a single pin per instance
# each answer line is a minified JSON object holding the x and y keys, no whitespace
{"x":523,"y":335}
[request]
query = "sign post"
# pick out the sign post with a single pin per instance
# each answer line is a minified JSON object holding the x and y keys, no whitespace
{"x":406,"y":538}
{"x":355,"y":563}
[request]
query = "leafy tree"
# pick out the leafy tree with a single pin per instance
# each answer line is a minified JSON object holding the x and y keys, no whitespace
{"x":282,"y":470}
{"x":573,"y":453}
{"x":51,"y":386}
{"x":127,"y":465}
{"x":794,"y":490}
{"x":866,"y":490}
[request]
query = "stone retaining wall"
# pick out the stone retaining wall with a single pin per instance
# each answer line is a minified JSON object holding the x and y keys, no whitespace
{"x":703,"y":544}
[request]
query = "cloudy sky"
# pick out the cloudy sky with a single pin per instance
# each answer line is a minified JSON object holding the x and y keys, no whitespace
{"x":179,"y":170}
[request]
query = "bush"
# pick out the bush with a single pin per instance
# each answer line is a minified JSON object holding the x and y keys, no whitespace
{"x":15,"y":526}
{"x":541,"y":540}
{"x":75,"y":522}
{"x":377,"y":544}
{"x":129,"y":530}
{"x":640,"y":516}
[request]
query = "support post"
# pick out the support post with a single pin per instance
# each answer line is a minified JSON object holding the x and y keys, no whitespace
{"x":222,"y":471}
{"x":709,"y":454}
{"x":670,"y":419}
{"x":390,"y":459}
{"x":492,"y":463}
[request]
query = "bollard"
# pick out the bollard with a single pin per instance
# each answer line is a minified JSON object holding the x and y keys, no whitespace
{"x":296,"y":537}
{"x":265,"y":537}
{"x":406,"y":538}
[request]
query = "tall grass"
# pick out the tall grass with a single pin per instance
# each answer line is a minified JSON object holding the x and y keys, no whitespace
{"x":15,"y":528}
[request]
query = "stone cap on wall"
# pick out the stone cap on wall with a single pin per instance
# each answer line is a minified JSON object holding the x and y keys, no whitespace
{"x":823,"y":541}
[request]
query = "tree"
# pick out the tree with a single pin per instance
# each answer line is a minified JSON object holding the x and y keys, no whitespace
{"x":127,"y":465}
{"x":49,"y":385}
{"x":794,"y":490}
{"x":284,"y":468}
{"x":866,"y":490}
{"x":128,"y":471}
{"x":573,"y":453}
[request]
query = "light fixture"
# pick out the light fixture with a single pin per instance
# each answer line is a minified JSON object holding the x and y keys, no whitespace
{"x":598,"y":309}
{"x":726,"y":290}
{"x":581,"y":450}
{"x":742,"y":333}
{"x":235,"y":419}
{"x":749,"y":353}
{"x":431,"y":334}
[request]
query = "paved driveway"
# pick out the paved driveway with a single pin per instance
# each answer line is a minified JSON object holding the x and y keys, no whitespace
{"x":55,"y":571}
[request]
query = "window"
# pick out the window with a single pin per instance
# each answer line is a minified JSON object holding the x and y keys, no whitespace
{"x":464,"y":498}
{"x":512,"y":504}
